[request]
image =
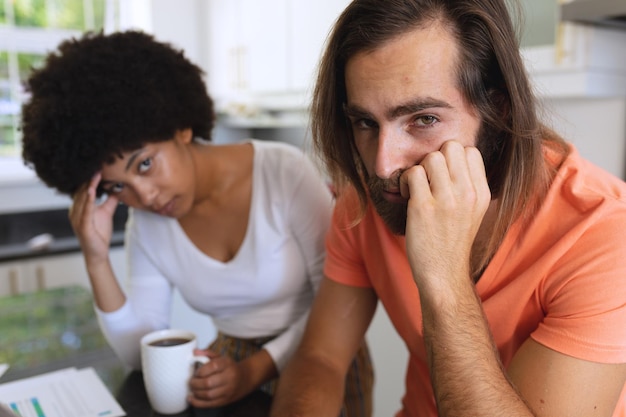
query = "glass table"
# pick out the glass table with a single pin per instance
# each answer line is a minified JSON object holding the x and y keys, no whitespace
{"x":54,"y":329}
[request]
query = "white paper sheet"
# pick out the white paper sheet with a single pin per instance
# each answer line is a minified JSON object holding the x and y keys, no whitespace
{"x":66,"y":393}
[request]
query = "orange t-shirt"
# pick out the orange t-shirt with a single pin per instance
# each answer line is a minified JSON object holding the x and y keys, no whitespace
{"x":561,"y":281}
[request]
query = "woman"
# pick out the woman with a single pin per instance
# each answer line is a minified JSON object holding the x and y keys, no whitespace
{"x":238,"y":229}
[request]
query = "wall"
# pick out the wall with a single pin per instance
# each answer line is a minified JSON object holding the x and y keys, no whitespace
{"x":596,"y":126}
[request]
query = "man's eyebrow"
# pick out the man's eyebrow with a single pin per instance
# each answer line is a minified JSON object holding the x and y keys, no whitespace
{"x":355,"y":111}
{"x":410,"y":107}
{"x":417,"y":105}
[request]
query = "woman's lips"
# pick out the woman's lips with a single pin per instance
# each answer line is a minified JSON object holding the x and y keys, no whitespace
{"x":167,"y":209}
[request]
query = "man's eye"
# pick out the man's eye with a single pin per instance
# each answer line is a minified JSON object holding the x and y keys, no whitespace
{"x":426,"y":120}
{"x":364,"y":124}
{"x":145,"y":165}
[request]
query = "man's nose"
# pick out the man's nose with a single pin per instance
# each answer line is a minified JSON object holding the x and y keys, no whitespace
{"x":392,"y":154}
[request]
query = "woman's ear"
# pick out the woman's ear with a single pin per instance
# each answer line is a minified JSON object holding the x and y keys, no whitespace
{"x":184,"y":136}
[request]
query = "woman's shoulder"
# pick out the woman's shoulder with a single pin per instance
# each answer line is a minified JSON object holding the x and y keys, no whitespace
{"x":143,"y":223}
{"x":276,"y":148}
{"x":281,"y":156}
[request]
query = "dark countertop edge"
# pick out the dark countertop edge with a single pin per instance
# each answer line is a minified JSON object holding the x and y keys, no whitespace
{"x":59,"y":246}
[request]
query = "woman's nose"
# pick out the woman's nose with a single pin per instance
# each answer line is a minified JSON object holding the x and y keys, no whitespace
{"x":146,"y":193}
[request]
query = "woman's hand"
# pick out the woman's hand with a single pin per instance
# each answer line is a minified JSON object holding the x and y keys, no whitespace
{"x":93,"y":224}
{"x":219,"y":382}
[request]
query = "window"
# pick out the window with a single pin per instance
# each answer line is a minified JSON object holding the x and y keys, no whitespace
{"x":28,"y":30}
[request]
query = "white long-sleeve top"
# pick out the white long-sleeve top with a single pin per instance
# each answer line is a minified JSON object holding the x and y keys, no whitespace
{"x":265,"y":290}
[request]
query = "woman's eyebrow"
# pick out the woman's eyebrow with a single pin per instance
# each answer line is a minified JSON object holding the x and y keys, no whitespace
{"x":132,"y":159}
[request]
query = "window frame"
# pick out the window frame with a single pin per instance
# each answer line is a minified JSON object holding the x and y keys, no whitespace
{"x":14,"y":40}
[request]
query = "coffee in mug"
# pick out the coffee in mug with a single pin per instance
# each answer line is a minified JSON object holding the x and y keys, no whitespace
{"x":170,"y":341}
{"x":168,"y":362}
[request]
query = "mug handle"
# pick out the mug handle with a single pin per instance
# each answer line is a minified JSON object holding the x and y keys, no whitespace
{"x":196,"y":361}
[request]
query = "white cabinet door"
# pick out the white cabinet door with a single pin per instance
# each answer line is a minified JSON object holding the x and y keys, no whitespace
{"x":53,"y":271}
{"x":266,"y":48}
{"x":224,"y":77}
{"x":21,"y":276}
{"x":10,"y":278}
{"x":247,"y":47}
{"x":310,"y":25}
{"x":57,"y":271}
{"x":69,"y":269}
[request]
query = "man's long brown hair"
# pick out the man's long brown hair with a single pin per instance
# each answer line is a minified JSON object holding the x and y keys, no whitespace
{"x":491,"y":77}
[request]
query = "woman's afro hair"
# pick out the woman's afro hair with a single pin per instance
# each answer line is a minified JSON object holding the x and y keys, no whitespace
{"x":101,"y":95}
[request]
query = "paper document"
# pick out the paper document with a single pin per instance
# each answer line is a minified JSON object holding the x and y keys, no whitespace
{"x":69,"y":392}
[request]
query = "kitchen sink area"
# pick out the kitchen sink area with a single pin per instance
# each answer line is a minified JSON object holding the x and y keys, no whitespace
{"x":47,"y":232}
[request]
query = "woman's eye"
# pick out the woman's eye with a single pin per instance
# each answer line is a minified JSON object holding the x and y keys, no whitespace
{"x":426,"y":120}
{"x":114,"y":188}
{"x":145,"y":165}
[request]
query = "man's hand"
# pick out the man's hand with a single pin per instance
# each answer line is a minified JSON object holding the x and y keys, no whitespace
{"x":448,"y":197}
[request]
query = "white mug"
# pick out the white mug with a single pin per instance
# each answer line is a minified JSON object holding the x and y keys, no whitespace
{"x":168,"y":362}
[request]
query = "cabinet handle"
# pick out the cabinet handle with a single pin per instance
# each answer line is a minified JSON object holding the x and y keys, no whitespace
{"x":243,"y":73}
{"x":41,"y":278}
{"x":13,"y":282}
{"x":234,"y":66}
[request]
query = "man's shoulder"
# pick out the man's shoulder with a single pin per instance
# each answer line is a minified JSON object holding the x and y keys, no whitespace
{"x":350,"y":215}
{"x":585,"y":184}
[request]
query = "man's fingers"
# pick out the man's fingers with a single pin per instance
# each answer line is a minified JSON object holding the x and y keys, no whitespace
{"x":477,"y":173}
{"x":414,"y":182}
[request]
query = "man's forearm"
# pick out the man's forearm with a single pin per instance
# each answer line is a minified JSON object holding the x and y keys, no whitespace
{"x":308,"y":387}
{"x":466,"y":373}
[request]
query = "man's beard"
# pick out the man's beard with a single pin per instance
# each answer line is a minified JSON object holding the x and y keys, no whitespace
{"x":394,"y":214}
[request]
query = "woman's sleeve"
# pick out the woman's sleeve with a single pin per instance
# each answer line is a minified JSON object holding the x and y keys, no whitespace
{"x":309,"y":211}
{"x":147,"y":306}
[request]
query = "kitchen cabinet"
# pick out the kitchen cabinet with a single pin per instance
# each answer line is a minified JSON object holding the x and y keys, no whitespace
{"x":9,"y":276}
{"x":35,"y":274}
{"x":586,"y":61}
{"x":51,"y":272}
{"x":247,"y":40}
{"x":266,"y":49}
{"x":571,"y":60}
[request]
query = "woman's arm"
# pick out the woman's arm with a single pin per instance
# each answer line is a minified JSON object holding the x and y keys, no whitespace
{"x":93,"y":225}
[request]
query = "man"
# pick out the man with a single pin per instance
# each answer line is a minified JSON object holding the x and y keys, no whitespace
{"x":497,"y":251}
